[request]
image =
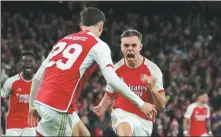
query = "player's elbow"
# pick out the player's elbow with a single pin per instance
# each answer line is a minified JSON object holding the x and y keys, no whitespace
{"x":186,"y":121}
{"x":161,"y":107}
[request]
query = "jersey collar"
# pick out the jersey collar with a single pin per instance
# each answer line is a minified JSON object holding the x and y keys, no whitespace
{"x":20,"y":75}
{"x":137,"y":66}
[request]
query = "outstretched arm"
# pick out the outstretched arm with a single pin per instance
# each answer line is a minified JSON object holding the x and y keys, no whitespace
{"x":32,"y":114}
{"x":35,"y":85}
{"x":104,"y":105}
{"x":119,"y":86}
{"x":37,"y":81}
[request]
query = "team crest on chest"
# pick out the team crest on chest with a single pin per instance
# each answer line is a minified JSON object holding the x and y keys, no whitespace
{"x":143,"y":77}
{"x":197,"y":112}
{"x":19,"y":89}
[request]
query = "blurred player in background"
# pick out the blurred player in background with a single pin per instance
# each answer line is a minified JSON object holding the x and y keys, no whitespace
{"x":144,"y":78}
{"x":18,"y":89}
{"x":67,"y":68}
{"x":197,"y":117}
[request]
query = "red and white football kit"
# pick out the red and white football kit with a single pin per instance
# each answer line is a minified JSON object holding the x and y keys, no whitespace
{"x":18,"y":89}
{"x":197,"y":115}
{"x":67,"y":68}
{"x":126,"y":111}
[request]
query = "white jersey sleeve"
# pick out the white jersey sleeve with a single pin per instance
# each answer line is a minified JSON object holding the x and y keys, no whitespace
{"x":101,"y":53}
{"x":189,"y":111}
{"x":37,"y":80}
{"x":119,"y":86}
{"x":7,"y":87}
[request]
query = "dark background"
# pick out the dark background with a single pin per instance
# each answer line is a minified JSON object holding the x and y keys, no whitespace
{"x":182,"y":38}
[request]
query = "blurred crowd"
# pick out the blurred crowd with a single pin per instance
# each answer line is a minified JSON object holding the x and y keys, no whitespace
{"x":187,"y":49}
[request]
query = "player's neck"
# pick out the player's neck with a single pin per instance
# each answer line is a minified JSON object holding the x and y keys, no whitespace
{"x":27,"y":76}
{"x":199,"y":103}
{"x":136,"y":63}
{"x":92,"y":29}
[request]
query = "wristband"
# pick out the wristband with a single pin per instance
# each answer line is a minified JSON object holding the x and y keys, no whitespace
{"x":185,"y":132}
{"x":140,"y":103}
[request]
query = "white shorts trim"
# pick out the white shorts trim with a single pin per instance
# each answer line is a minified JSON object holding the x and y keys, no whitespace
{"x":204,"y":135}
{"x":43,"y":104}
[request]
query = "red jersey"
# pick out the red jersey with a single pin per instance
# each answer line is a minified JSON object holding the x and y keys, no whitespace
{"x":19,"y":90}
{"x":70,"y":64}
{"x":132,"y":77}
{"x":197,"y":115}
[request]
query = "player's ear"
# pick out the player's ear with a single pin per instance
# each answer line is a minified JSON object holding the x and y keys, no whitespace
{"x":101,"y":24}
{"x":121,"y":44}
{"x":81,"y":25}
{"x":141,"y":46}
{"x":20,"y":65}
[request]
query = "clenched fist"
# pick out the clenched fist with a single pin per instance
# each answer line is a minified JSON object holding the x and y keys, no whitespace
{"x":151,"y":80}
{"x":99,"y":110}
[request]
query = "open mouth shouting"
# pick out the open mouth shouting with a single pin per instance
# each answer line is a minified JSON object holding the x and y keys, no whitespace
{"x":28,"y":69}
{"x":130,"y":56}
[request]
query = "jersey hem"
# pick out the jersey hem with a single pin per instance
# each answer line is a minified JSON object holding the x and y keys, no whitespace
{"x":114,"y":108}
{"x":53,"y":108}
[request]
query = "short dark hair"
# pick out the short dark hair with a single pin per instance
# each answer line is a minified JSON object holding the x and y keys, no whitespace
{"x":91,"y":16}
{"x":28,"y":53}
{"x":130,"y":33}
{"x":201,"y":92}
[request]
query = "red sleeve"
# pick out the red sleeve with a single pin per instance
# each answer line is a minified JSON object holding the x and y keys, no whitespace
{"x":110,"y":65}
{"x":109,"y":94}
{"x":161,"y":91}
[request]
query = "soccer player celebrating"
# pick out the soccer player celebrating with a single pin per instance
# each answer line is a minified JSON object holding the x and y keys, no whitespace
{"x":18,"y":89}
{"x":144,"y":78}
{"x":62,"y":75}
{"x":197,"y":117}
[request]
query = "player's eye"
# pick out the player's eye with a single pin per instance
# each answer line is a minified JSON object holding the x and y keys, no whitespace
{"x":134,"y":45}
{"x":126,"y":45}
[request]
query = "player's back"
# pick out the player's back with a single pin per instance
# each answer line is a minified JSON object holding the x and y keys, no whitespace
{"x":69,"y":67}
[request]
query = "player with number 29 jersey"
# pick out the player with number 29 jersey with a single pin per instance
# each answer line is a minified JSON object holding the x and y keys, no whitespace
{"x":65,"y":76}
{"x":61,"y":76}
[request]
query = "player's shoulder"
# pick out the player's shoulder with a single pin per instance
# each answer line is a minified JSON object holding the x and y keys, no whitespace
{"x":99,"y":41}
{"x":192,"y":105}
{"x":152,"y":66}
{"x":100,"y":46}
{"x":206,"y":106}
{"x":119,"y":64}
{"x":12,"y":79}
